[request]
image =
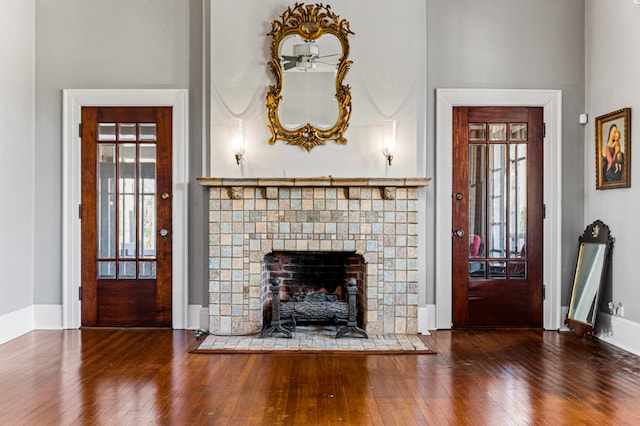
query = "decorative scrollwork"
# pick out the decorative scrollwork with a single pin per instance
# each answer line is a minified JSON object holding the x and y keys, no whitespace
{"x":309,"y":22}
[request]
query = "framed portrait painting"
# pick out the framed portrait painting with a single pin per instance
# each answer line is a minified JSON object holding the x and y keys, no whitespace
{"x":613,"y":150}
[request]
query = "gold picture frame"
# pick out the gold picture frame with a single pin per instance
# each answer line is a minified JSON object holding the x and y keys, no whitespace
{"x":613,"y":150}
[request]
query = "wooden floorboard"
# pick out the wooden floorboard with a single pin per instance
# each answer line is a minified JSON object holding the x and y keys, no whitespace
{"x":484,"y":377}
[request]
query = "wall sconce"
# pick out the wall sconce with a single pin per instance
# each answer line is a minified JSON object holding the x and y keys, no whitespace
{"x":389,"y":139}
{"x":236,"y":135}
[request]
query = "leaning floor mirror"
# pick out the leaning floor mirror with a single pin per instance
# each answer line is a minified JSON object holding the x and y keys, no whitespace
{"x":594,"y":257}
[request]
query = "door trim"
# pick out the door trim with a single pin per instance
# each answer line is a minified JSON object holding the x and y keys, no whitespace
{"x":73,"y":101}
{"x":551,"y":101}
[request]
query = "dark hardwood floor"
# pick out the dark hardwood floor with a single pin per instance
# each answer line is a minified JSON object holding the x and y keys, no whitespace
{"x":489,"y":377}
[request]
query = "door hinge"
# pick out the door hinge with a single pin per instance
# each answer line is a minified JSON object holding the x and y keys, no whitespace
{"x":80,"y":211}
{"x":544,"y":130}
{"x":80,"y":293}
{"x":544,"y":211}
{"x":544,"y":292}
{"x":79,"y":130}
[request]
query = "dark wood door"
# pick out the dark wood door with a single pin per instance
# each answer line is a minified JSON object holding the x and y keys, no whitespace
{"x":497,"y":216}
{"x":126,"y":216}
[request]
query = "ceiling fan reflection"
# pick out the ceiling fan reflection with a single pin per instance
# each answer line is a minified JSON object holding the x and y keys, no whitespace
{"x":305,"y":57}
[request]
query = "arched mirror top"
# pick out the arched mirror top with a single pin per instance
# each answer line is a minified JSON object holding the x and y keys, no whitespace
{"x":309,"y":102}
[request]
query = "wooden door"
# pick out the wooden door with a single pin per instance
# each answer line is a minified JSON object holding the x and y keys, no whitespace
{"x":497,"y":216}
{"x":126,"y":216}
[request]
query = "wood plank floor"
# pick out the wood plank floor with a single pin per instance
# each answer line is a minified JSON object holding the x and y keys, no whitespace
{"x":490,"y":377}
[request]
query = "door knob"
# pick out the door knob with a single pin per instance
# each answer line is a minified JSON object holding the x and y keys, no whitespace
{"x":163,"y":234}
{"x":459,"y":233}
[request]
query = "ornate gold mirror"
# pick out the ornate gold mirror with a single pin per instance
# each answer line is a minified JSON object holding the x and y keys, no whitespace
{"x":309,"y":102}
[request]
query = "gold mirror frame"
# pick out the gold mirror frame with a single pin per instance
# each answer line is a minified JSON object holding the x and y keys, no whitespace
{"x":309,"y":22}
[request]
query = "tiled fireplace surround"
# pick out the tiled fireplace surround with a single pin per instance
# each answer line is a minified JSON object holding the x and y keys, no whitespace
{"x":376,"y":218}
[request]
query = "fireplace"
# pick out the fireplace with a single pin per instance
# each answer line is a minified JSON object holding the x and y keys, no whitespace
{"x":369,"y":224}
{"x":303,"y":275}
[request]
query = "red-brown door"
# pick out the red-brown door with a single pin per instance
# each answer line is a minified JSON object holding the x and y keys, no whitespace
{"x":126,"y":216}
{"x":497,"y":217}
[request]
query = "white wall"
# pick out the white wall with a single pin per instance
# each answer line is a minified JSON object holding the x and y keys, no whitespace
{"x":612,"y":70}
{"x":16,"y":156}
{"x":103,"y":44}
{"x":515,"y":44}
{"x":451,"y":44}
{"x":387,"y":80}
{"x":402,"y":52}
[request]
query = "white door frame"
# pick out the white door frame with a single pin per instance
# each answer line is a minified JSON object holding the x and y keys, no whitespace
{"x":73,"y":101}
{"x":551,"y":101}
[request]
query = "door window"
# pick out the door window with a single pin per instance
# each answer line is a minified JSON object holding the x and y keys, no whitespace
{"x":126,"y":201}
{"x":497,"y":200}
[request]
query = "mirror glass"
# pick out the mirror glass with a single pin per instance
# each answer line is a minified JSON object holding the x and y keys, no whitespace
{"x":590,"y":274}
{"x":309,"y":102}
{"x":308,"y":85}
{"x":587,"y":281}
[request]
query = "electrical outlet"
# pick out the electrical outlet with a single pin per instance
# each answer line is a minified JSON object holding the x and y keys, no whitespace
{"x":616,"y":308}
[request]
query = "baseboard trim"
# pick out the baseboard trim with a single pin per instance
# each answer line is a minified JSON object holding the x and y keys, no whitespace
{"x":614,"y":330}
{"x":198,"y":318}
{"x":16,"y":323}
{"x":47,"y":317}
{"x":619,"y":332}
{"x":564,"y":312}
{"x":426,"y":319}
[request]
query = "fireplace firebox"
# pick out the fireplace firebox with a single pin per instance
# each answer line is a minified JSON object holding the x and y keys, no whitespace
{"x":313,"y":288}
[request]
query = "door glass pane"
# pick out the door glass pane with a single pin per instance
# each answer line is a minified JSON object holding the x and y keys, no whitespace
{"x":518,"y":131}
{"x":517,"y":200}
{"x":497,"y":237}
{"x":477,"y":132}
{"x":127,"y":132}
{"x":148,"y":131}
{"x":127,"y":201}
{"x":498,"y":131}
{"x":106,"y":131}
{"x":106,"y":201}
{"x":107,"y":270}
{"x":147,"y":270}
{"x":126,"y":270}
{"x":477,"y":200}
{"x":497,"y":270}
{"x":477,"y":269}
{"x":147,"y":216}
{"x":517,"y":269}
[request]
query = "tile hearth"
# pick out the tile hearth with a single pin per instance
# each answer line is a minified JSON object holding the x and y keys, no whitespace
{"x":316,"y":339}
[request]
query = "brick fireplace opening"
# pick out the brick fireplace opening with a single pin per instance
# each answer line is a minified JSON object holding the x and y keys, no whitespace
{"x":371,"y":222}
{"x":303,"y":274}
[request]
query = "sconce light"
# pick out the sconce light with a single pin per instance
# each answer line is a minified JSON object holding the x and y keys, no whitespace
{"x":389,"y":139}
{"x":236,"y":134}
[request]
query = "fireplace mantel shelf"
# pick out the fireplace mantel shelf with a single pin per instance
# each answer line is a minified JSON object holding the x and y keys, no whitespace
{"x":315,"y":182}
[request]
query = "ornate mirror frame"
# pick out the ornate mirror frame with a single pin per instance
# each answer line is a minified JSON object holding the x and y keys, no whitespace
{"x":309,"y":22}
{"x":590,"y":276}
